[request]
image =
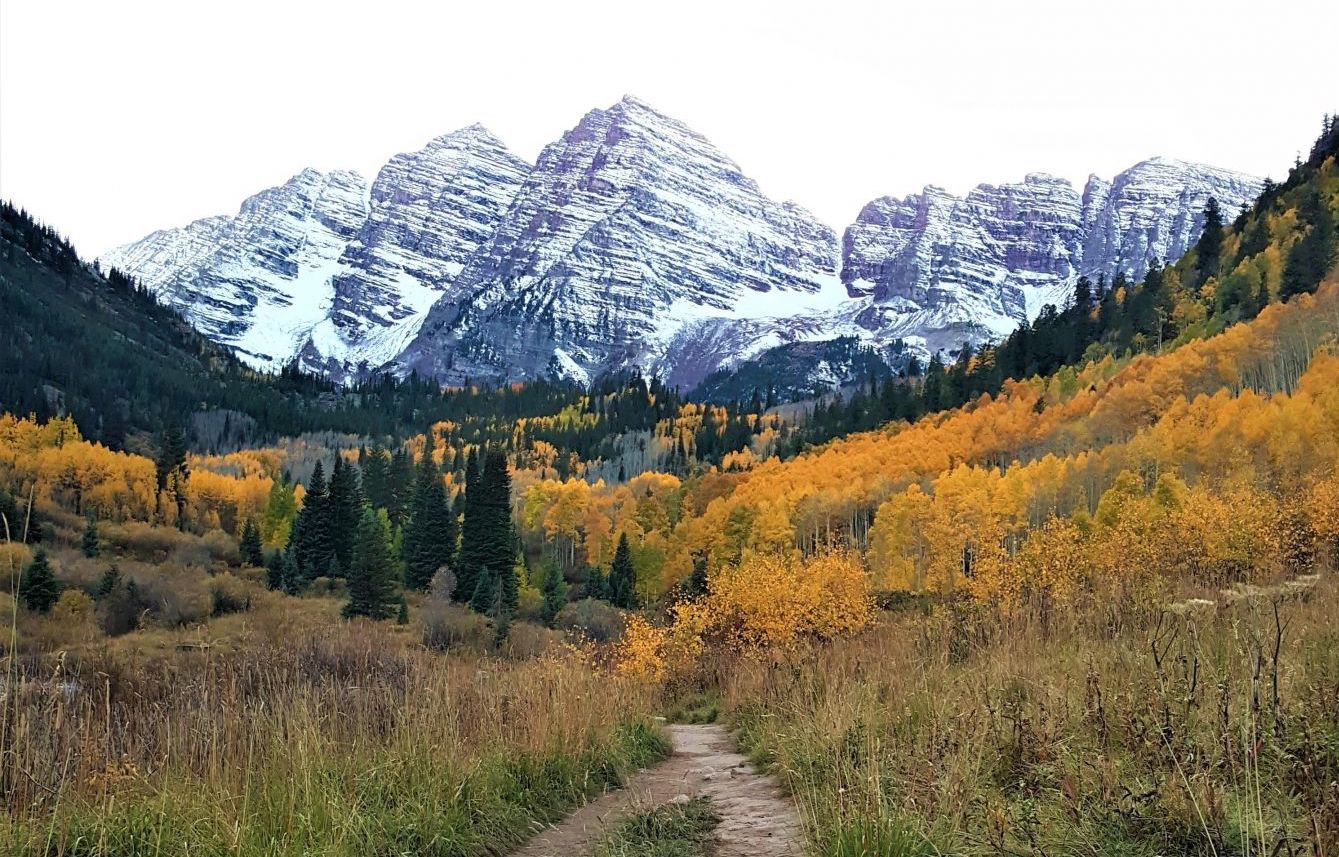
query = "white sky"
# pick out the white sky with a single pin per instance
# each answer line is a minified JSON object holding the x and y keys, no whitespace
{"x":120,"y":118}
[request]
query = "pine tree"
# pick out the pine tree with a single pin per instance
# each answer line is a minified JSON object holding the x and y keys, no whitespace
{"x":1209,"y":250}
{"x":554,"y":590}
{"x":172,"y":471}
{"x":89,"y":543}
{"x":696,"y":585}
{"x":622,"y":577}
{"x":311,"y":531}
{"x":274,"y":571}
{"x":344,"y":510}
{"x":38,"y":585}
{"x":1310,"y":258}
{"x":371,"y":574}
{"x":403,"y":617}
{"x":487,"y":547}
{"x":250,"y":547}
{"x":430,"y":532}
{"x":109,"y":582}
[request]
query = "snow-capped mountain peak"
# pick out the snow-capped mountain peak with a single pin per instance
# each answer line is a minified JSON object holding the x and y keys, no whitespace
{"x":633,"y":240}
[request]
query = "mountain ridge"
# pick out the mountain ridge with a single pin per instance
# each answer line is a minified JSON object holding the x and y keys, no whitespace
{"x":634,"y":242}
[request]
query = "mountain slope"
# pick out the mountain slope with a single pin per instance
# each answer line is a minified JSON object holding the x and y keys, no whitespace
{"x":327,"y":267}
{"x":630,"y":225}
{"x":635,"y":242}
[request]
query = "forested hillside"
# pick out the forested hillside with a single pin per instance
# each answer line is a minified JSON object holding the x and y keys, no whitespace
{"x":1134,"y":494}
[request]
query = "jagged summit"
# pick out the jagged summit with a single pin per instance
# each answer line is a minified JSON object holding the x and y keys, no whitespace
{"x":633,"y":240}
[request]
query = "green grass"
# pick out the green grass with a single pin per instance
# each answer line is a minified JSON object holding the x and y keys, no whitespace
{"x":371,"y":805}
{"x":670,"y":830}
{"x":696,"y":708}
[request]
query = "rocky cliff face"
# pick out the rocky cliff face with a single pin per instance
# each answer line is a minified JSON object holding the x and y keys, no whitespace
{"x":630,"y":227}
{"x":634,"y":241}
{"x":327,"y":268}
{"x":257,"y":281}
{"x":933,"y":265}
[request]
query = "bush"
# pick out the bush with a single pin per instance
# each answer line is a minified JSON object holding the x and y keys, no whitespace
{"x":14,"y":558}
{"x":449,"y":627}
{"x":75,"y":613}
{"x":594,"y":620}
{"x":230,"y":594}
{"x":528,"y":640}
{"x":178,"y":598}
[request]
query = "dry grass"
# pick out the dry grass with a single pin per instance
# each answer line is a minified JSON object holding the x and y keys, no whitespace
{"x":1207,"y":728}
{"x":284,"y":731}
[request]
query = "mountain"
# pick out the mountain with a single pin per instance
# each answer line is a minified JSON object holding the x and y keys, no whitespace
{"x":939,"y":269}
{"x":634,"y":242}
{"x":630,"y":227}
{"x":325,"y":266}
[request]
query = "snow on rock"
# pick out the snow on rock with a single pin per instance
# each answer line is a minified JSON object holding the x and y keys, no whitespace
{"x":630,"y":227}
{"x":942,"y":265}
{"x":636,"y":242}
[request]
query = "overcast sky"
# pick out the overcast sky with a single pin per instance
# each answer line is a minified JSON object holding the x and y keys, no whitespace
{"x":117,"y":118}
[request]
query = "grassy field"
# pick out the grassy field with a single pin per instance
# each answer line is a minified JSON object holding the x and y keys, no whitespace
{"x":282,"y":732}
{"x":1118,"y":726}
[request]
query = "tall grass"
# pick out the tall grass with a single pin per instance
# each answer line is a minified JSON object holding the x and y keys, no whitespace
{"x":1116,"y":726}
{"x":302,"y":737}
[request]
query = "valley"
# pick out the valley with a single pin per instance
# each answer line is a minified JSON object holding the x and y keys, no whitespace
{"x":605,"y":506}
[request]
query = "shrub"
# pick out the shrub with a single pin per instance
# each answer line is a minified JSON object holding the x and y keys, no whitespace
{"x":14,"y":557}
{"x":594,"y":620}
{"x":528,"y":640}
{"x":230,"y":594}
{"x":451,"y":626}
{"x":179,"y":598}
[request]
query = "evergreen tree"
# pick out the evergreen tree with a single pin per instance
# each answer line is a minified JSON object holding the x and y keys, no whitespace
{"x":345,"y":509}
{"x":403,"y":617}
{"x":275,"y":571}
{"x":172,"y":471}
{"x":1209,"y":250}
{"x":622,"y":576}
{"x":311,"y":531}
{"x":399,"y":486}
{"x":250,"y":547}
{"x":430,"y":533}
{"x":487,"y":544}
{"x":554,"y":591}
{"x":89,"y":542}
{"x":371,"y":574}
{"x":1310,"y":258}
{"x":695,"y":585}
{"x":38,"y":586}
{"x":109,"y":582}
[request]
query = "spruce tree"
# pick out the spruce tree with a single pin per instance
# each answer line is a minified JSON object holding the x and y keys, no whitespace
{"x":89,"y":542}
{"x":38,"y":586}
{"x":345,"y":506}
{"x":371,"y":574}
{"x":403,"y":617}
{"x":486,"y":540}
{"x":172,"y":471}
{"x":311,"y":531}
{"x":430,"y":531}
{"x":622,"y":577}
{"x":250,"y":547}
{"x":275,"y":571}
{"x":554,"y":591}
{"x":1310,"y":258}
{"x":1209,"y":250}
{"x":109,"y":582}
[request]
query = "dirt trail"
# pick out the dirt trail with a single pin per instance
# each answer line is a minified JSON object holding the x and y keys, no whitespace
{"x":757,"y":820}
